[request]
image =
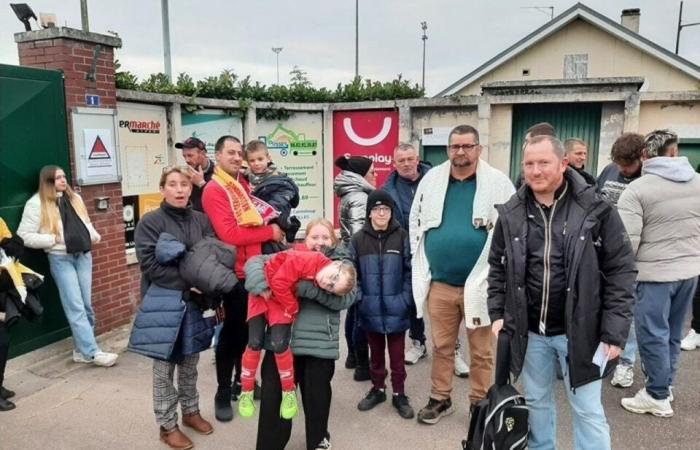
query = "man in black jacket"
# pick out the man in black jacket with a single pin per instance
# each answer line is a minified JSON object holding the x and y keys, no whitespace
{"x":194,"y":152}
{"x":561,"y":285}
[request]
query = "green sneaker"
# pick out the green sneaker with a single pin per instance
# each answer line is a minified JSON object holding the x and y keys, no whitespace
{"x":246,"y":405}
{"x":288,"y":408}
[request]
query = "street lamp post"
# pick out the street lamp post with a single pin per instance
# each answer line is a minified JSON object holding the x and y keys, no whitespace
{"x":277,"y":51}
{"x":167,"y":58}
{"x":357,"y":38}
{"x":424,"y":27}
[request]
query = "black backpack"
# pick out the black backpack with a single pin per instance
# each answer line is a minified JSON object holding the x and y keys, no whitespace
{"x":499,"y":421}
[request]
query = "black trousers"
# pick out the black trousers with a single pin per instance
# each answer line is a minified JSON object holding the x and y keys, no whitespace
{"x":280,"y":334}
{"x":233,"y":336}
{"x":695,"y":323}
{"x":313,"y":375}
{"x":4,"y":349}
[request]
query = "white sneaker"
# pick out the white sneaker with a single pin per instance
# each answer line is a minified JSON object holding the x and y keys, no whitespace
{"x":623,"y":377}
{"x":79,"y":358}
{"x":325,"y":444}
{"x":415,"y":352}
{"x":461,"y":367}
{"x":643,"y":403}
{"x":691,"y":341}
{"x":671,"y":398}
{"x":104,"y":359}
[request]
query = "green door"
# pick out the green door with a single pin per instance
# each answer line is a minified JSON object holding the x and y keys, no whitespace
{"x":570,"y":120}
{"x":434,"y":154}
{"x":32,"y":135}
{"x":691,"y":149}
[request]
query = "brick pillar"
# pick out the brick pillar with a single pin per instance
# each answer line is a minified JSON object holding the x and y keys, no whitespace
{"x":115,"y":288}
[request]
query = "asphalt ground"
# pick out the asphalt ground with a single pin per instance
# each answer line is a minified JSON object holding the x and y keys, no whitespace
{"x":63,"y":405}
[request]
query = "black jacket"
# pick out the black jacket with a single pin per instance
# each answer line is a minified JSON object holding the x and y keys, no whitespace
{"x":282,"y":193}
{"x":600,"y":278}
{"x":188,"y":226}
{"x":196,"y":196}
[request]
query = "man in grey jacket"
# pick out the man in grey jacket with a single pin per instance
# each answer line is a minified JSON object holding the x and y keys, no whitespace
{"x":661,"y":212}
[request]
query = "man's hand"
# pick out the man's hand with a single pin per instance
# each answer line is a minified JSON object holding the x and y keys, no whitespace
{"x":277,"y":233}
{"x":496,"y":327}
{"x":197,"y":176}
{"x":266,"y":294}
{"x":613,"y":351}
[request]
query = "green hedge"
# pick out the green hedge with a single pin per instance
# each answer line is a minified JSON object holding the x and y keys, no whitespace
{"x":227,"y":85}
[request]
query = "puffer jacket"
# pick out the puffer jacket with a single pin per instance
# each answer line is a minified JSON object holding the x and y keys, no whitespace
{"x":282,"y":193}
{"x":661,"y":212}
{"x":383,"y":261}
{"x":34,"y":237}
{"x":165,"y":318}
{"x":352,"y":189}
{"x":208,"y":266}
{"x":600,"y":278}
{"x":316,"y":330}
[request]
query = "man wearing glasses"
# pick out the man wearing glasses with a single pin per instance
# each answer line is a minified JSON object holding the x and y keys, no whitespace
{"x":450,"y":231}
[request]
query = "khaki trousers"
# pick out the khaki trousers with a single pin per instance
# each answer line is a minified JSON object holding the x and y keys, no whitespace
{"x":446,"y":311}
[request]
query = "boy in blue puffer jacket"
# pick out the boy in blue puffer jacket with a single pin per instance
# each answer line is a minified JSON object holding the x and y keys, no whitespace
{"x":382,"y":254}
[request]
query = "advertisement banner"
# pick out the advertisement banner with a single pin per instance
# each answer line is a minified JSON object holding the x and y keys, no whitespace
{"x":373,"y":134}
{"x":143,"y":141}
{"x":209,"y":125}
{"x":295,"y":147}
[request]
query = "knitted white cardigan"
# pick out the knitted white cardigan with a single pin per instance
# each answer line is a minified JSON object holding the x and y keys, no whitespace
{"x":492,"y":188}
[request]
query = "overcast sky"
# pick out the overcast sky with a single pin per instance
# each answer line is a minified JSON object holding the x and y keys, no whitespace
{"x":319,"y":35}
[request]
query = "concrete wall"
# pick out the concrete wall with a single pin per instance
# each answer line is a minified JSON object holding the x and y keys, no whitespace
{"x":500,"y":137}
{"x":683,"y":117}
{"x":441,"y":118}
{"x":611,"y":127}
{"x":607,"y":57}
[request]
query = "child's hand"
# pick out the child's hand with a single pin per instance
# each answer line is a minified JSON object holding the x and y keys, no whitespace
{"x":266,"y":294}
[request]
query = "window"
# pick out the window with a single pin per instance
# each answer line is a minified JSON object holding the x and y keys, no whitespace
{"x":576,"y":66}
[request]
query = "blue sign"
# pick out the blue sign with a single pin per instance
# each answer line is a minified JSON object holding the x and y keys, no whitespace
{"x":92,"y":100}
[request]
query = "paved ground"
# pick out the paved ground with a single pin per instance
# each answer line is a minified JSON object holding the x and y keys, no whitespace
{"x":62,"y":405}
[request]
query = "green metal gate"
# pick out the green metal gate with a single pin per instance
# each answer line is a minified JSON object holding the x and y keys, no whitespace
{"x":32,"y":135}
{"x":691,"y":149}
{"x":570,"y":120}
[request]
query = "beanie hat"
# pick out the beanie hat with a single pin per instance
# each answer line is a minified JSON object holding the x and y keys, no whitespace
{"x":379,"y":197}
{"x":357,"y":164}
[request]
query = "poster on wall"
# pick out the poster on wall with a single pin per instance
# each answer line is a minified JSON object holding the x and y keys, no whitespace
{"x":143,"y":143}
{"x":373,"y":134}
{"x":295,"y":148}
{"x":96,"y":151}
{"x":130,"y":213}
{"x":209,"y":125}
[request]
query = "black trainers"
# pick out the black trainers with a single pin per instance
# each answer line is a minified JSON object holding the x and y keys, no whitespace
{"x":435,"y":410}
{"x":6,"y":405}
{"x":400,"y":402}
{"x":372,"y":399}
{"x":222,"y":405}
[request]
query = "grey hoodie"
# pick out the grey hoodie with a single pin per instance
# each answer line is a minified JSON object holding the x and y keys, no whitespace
{"x":661,"y":212}
{"x":353,"y":190}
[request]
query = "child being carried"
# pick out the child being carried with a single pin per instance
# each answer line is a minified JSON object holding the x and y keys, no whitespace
{"x":271,"y":282}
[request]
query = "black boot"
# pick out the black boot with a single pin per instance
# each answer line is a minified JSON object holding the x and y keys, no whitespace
{"x":362,"y":368}
{"x":6,"y":405}
{"x":350,"y":361}
{"x":222,"y":405}
{"x":6,"y":393}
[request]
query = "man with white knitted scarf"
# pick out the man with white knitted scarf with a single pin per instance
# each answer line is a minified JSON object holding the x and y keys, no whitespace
{"x":451,"y":224}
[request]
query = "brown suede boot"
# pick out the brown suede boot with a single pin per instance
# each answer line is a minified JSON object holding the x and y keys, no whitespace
{"x":197,"y":423}
{"x":175,"y":438}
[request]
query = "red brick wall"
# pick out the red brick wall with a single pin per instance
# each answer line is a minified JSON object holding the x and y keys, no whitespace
{"x":115,"y":288}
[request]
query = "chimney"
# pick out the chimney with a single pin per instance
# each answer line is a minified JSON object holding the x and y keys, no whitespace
{"x":630,"y":19}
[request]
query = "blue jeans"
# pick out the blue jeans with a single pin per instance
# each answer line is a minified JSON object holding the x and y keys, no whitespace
{"x":659,"y":315}
{"x":591,"y":430}
{"x":629,"y":354}
{"x":73,"y":277}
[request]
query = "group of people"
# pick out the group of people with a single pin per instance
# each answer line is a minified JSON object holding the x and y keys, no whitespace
{"x":579,"y":272}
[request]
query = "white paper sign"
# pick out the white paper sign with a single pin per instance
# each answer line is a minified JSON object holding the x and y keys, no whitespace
{"x":100,"y":156}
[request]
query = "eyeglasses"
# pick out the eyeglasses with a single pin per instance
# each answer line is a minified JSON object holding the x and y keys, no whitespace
{"x":176,"y":168}
{"x":381,"y":209}
{"x":334,"y":278}
{"x":454,"y":148}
